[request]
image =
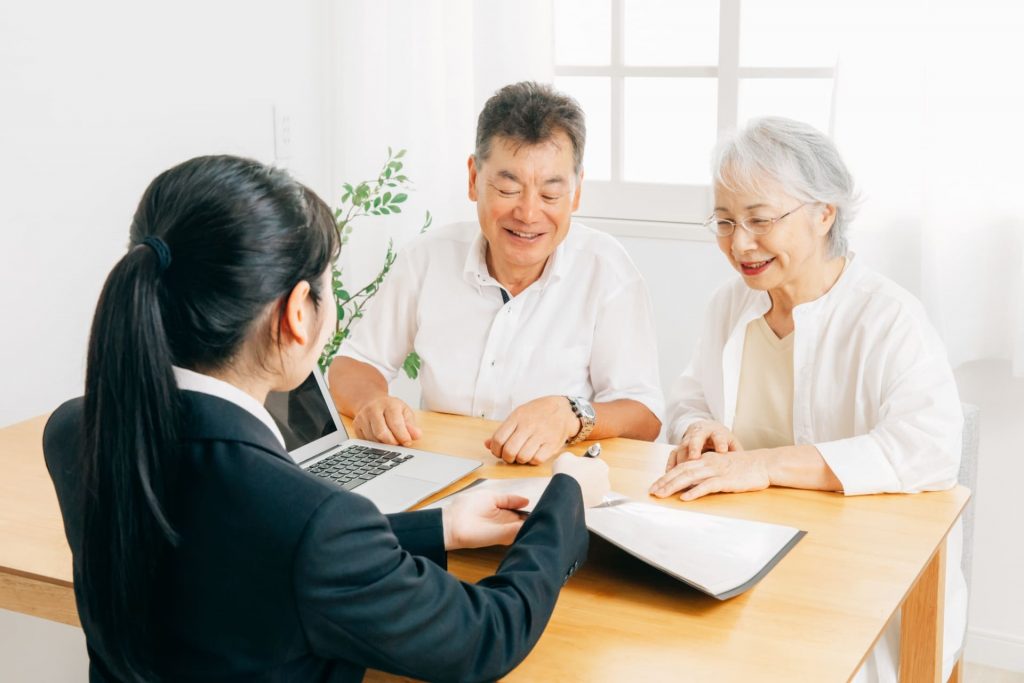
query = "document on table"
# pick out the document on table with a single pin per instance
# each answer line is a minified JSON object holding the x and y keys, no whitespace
{"x":717,"y":555}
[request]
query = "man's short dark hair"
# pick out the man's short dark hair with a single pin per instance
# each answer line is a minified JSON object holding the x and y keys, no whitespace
{"x":529,"y":113}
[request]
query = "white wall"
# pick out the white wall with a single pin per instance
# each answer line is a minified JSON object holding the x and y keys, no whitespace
{"x":97,"y":99}
{"x":995,"y":620}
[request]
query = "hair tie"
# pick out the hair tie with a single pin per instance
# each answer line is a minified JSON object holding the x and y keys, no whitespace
{"x":163,"y":252}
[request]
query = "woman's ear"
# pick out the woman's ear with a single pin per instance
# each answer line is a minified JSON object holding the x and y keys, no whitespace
{"x":826,"y":218}
{"x":297,"y":319}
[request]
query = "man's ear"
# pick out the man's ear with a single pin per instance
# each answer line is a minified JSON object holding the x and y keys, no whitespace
{"x":471,"y":164}
{"x":579,"y":190}
{"x":296,"y":321}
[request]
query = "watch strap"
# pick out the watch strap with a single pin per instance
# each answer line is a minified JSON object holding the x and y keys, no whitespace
{"x":586,"y":421}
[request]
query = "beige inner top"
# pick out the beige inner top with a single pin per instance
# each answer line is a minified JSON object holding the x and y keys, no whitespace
{"x":764,"y":404}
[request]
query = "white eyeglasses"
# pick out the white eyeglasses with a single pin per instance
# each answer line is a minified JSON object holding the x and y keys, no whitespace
{"x":755,"y":225}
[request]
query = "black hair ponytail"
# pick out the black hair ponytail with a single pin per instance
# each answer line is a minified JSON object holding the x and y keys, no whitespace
{"x":131,"y":424}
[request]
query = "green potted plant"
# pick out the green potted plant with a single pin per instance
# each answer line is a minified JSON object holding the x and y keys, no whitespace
{"x":382,"y":196}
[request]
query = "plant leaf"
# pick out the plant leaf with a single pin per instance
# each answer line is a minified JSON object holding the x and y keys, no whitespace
{"x":412,"y":365}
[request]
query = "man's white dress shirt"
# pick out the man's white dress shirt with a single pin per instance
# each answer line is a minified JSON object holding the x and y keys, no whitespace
{"x":584,"y":328}
{"x":872,"y":390}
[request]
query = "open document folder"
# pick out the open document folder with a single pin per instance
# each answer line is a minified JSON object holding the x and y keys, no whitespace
{"x":720,"y":556}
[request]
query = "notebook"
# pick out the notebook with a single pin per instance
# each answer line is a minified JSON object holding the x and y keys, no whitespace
{"x":719,"y":556}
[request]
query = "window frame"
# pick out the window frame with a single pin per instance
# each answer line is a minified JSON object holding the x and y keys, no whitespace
{"x":668,"y":210}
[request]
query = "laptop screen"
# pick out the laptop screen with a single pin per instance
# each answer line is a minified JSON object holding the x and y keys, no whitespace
{"x":307,"y":418}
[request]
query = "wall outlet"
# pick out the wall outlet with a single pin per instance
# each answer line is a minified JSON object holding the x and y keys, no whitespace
{"x":282,"y":134}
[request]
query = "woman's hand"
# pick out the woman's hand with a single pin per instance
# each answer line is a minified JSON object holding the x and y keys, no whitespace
{"x":702,"y":436}
{"x":481,"y":518}
{"x":715,"y":472}
{"x":590,"y":473}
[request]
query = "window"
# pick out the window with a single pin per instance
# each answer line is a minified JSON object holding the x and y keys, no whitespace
{"x":661,"y":79}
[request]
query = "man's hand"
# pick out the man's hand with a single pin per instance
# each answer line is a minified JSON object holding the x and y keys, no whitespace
{"x":715,"y":472}
{"x":706,"y":435}
{"x":534,"y":431}
{"x":387,"y":420}
{"x":481,"y":518}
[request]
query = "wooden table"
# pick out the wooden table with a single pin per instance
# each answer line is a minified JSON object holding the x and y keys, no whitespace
{"x":813,"y":618}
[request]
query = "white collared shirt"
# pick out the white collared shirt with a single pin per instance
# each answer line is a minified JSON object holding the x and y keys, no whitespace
{"x":584,"y":328}
{"x":189,"y":380}
{"x":872,"y":391}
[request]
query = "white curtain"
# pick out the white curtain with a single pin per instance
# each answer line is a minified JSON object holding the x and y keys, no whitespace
{"x":929,"y":115}
{"x":414,"y":74}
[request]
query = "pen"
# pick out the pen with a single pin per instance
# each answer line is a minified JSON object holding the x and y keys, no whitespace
{"x":593,"y":451}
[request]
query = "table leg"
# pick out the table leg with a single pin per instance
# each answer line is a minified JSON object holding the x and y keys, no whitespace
{"x":957,"y":674}
{"x":921,"y":629}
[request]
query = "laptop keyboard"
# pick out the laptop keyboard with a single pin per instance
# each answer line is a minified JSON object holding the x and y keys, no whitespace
{"x":353,"y":466}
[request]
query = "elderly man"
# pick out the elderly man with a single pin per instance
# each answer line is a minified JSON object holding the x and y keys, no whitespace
{"x":531,"y":319}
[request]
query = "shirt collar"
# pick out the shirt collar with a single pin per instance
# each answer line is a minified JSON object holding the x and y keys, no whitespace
{"x":475,"y":269}
{"x":189,"y":380}
{"x":851,"y":273}
{"x":760,"y":303}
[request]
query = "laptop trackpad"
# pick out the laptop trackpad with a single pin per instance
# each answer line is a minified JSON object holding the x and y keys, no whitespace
{"x":395,"y":493}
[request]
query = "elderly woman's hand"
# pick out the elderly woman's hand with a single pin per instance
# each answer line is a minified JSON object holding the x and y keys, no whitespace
{"x":705,"y":435}
{"x":715,"y":472}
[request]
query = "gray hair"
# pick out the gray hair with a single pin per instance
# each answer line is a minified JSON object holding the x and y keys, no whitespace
{"x":529,"y":113}
{"x":804,"y":161}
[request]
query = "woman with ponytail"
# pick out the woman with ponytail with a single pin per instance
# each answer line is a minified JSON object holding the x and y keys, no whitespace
{"x":201,"y":551}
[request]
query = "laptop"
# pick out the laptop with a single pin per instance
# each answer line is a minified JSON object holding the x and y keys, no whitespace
{"x":393,"y":477}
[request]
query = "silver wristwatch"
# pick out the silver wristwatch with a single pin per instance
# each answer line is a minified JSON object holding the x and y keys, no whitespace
{"x":588,"y":418}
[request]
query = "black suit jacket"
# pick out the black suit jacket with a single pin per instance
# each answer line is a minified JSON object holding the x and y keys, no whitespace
{"x":281,"y":576}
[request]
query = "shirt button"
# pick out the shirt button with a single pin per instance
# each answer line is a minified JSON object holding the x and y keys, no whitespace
{"x":481,"y":414}
{"x":493,"y":362}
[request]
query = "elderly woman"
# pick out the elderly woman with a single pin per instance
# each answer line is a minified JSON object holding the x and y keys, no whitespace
{"x":812,"y":371}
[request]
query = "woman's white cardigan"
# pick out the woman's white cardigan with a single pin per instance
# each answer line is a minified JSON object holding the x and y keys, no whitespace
{"x":872,"y":390}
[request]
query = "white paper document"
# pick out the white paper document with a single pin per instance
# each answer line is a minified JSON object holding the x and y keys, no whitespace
{"x":720,"y":556}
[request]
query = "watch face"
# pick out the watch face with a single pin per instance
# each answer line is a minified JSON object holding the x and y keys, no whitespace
{"x":586,"y":410}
